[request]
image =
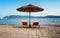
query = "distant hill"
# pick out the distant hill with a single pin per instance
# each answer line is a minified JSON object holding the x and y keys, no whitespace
{"x":0,"y":17}
{"x":18,"y":16}
{"x":12,"y":16}
{"x":15,"y":16}
{"x":51,"y":16}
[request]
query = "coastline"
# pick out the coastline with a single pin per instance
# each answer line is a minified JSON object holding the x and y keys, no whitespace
{"x":57,"y":25}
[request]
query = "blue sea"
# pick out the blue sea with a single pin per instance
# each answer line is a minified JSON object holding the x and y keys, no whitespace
{"x":41,"y":20}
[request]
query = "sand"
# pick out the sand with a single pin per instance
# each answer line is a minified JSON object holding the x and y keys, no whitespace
{"x":7,"y":31}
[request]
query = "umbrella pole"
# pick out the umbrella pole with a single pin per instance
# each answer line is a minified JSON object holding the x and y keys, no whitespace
{"x":29,"y":19}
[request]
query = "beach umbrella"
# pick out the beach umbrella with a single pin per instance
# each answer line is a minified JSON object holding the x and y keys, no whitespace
{"x":29,"y":9}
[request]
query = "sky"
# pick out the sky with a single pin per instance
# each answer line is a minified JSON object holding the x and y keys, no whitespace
{"x":8,"y":7}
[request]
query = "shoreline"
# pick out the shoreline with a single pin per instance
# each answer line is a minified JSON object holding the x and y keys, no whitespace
{"x":58,"y":25}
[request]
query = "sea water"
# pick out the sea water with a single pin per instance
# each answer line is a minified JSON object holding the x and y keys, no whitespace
{"x":41,"y":20}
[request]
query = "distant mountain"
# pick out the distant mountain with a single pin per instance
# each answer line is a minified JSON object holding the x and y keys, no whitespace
{"x":51,"y":16}
{"x":15,"y":16}
{"x":0,"y":17}
{"x":48,"y":16}
{"x":18,"y":16}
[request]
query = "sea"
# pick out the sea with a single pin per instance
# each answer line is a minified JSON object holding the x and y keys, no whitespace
{"x":40,"y":20}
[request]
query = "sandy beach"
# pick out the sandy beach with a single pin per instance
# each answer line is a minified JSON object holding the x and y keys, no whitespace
{"x":7,"y":31}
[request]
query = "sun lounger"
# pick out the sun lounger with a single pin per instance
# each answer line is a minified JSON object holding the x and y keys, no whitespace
{"x":25,"y":24}
{"x":36,"y":24}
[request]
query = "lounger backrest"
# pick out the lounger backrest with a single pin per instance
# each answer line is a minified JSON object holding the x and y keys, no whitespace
{"x":24,"y":23}
{"x":35,"y":23}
